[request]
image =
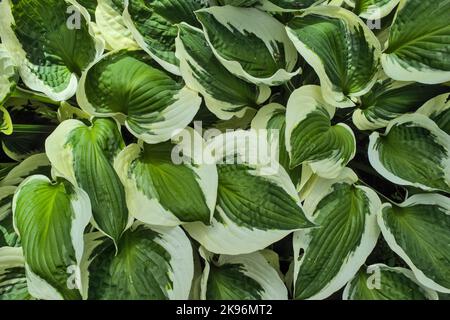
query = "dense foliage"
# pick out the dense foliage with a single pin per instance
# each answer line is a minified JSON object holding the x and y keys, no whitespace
{"x":118,"y":180}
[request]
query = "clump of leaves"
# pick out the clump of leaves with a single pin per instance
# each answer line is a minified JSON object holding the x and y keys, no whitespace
{"x":96,"y":98}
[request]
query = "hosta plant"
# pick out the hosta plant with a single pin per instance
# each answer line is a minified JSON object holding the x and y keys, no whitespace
{"x":225,"y":149}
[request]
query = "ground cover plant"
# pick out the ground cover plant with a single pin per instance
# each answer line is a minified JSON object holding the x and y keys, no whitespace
{"x":225,"y":149}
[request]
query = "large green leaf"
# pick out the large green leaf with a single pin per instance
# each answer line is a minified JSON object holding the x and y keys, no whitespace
{"x":109,"y":21}
{"x":419,"y":51}
{"x":341,"y":49}
{"x":438,"y":110}
{"x":50,"y":218}
{"x":225,"y":94}
{"x":390,"y":99}
{"x":310,"y":137}
{"x":418,"y":231}
{"x":249,"y":43}
{"x":413,"y":152}
{"x":84,"y":155}
{"x":164,"y":190}
{"x":125,"y":85}
{"x":13,"y":283}
{"x":257,"y":203}
{"x":347,"y":233}
{"x":241,"y":277}
{"x":152,"y":263}
{"x":154,"y":26}
{"x":52,"y":42}
{"x":380,"y":282}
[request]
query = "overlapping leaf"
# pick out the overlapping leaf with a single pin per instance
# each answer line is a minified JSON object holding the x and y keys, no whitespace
{"x":414,"y":152}
{"x":241,"y":277}
{"x":250,"y":44}
{"x":347,"y":233}
{"x":419,"y":51}
{"x":51,"y":47}
{"x":342,"y":50}
{"x":85,"y":155}
{"x":418,"y":231}
{"x":162,"y":189}
{"x":126,"y":85}
{"x":390,"y":99}
{"x":257,"y":203}
{"x":310,"y":137}
{"x":152,"y":263}
{"x":13,"y":283}
{"x":50,"y":218}
{"x":380,"y":282}
{"x":153,"y":25}
{"x":225,"y":94}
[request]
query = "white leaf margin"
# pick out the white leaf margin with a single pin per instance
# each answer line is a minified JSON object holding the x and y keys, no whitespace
{"x":81,"y":207}
{"x":267,"y":29}
{"x":151,"y":211}
{"x":336,"y":98}
{"x":255,"y":266}
{"x":417,"y":120}
{"x":378,"y":268}
{"x":427,"y":199}
{"x":356,"y":258}
{"x":14,"y":46}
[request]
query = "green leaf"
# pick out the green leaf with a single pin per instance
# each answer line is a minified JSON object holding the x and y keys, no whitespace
{"x":257,"y":203}
{"x":8,"y":237}
{"x":438,"y":110}
{"x":26,"y":140}
{"x":310,"y":137}
{"x":152,"y":263}
{"x":380,"y":282}
{"x":340,"y":48}
{"x":109,"y":21}
{"x":250,"y":44}
{"x":13,"y":283}
{"x":419,"y":51}
{"x":346,"y":235}
{"x":238,"y":3}
{"x":272,"y":118}
{"x":241,"y":277}
{"x":412,"y":152}
{"x":154,"y":26}
{"x":50,"y":218}
{"x":6,"y":126}
{"x":390,"y":99}
{"x":8,"y":74}
{"x":125,"y":85}
{"x":35,"y":164}
{"x":225,"y":94}
{"x":52,"y":47}
{"x":84,"y":155}
{"x":373,"y":9}
{"x":90,"y":6}
{"x":286,"y":5}
{"x":162,"y":189}
{"x":417,"y":230}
